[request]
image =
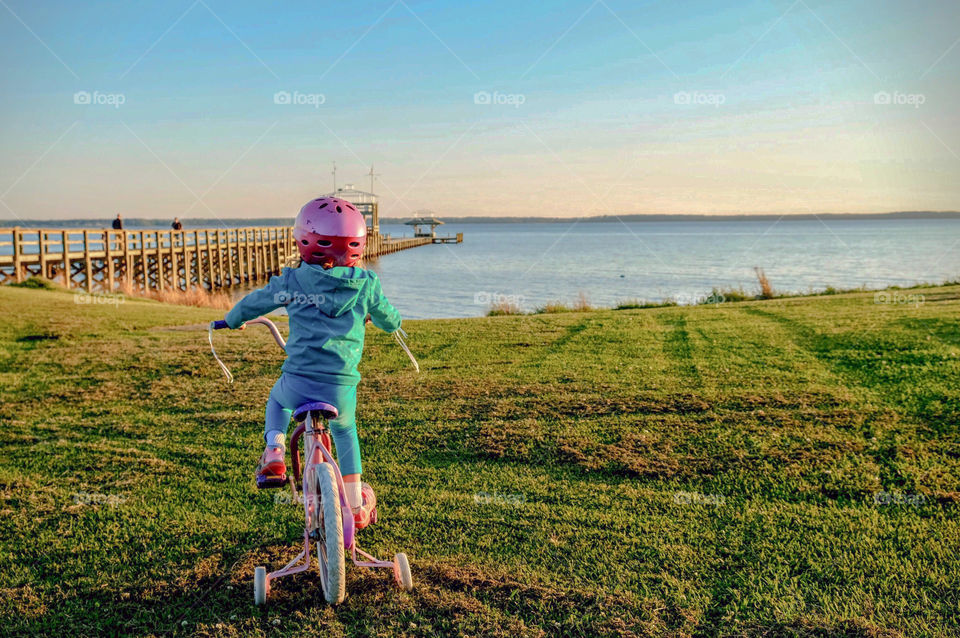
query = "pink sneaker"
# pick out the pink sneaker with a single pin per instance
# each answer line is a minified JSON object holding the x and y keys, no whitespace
{"x":366,"y":513}
{"x":272,"y":470}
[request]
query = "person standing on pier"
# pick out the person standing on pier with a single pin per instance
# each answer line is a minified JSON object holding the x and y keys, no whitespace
{"x":118,"y":223}
{"x":176,"y":225}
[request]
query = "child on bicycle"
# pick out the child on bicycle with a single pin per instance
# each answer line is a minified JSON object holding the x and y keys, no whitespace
{"x":328,"y":298}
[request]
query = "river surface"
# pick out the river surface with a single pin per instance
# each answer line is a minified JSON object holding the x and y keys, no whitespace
{"x":537,"y":263}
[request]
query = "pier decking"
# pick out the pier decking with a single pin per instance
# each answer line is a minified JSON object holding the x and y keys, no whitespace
{"x":446,"y":239}
{"x":105,"y":260}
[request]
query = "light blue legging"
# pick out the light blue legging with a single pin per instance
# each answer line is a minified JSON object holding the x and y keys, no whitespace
{"x":291,"y":391}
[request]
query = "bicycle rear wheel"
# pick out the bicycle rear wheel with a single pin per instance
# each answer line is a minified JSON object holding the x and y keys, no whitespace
{"x":329,"y":534}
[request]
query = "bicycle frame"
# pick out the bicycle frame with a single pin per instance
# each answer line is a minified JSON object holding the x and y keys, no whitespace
{"x":318,"y":450}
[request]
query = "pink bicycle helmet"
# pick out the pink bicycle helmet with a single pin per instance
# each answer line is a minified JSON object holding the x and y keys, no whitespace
{"x":330,"y":232}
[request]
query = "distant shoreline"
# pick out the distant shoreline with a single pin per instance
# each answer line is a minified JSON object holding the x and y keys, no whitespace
{"x":134,"y":223}
{"x":682,"y":217}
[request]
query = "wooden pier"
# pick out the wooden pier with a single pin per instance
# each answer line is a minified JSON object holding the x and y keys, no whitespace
{"x":107,"y":260}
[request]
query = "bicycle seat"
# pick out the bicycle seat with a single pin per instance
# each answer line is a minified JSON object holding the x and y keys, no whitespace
{"x":328,"y":411}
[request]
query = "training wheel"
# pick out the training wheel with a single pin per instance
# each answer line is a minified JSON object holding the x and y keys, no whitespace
{"x":401,"y":571}
{"x":260,"y":586}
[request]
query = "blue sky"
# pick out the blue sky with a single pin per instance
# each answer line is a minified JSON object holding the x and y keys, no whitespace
{"x":595,"y":107}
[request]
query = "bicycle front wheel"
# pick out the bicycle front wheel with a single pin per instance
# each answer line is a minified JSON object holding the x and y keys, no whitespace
{"x":329,"y":536}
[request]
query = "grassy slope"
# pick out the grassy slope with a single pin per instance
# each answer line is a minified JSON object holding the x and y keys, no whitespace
{"x":793,"y":413}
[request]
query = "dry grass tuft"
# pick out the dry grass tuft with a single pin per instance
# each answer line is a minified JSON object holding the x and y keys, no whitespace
{"x":502,"y":308}
{"x":552,"y":307}
{"x":582,"y":304}
{"x":198,"y":297}
{"x":766,"y":288}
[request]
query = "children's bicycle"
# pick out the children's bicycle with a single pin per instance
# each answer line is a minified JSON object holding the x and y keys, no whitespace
{"x":328,"y":515}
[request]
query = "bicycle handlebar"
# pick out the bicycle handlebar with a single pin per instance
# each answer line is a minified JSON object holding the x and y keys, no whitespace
{"x":273,"y":330}
{"x":220,"y":324}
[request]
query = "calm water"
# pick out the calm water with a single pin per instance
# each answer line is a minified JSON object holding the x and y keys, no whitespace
{"x":533,"y":264}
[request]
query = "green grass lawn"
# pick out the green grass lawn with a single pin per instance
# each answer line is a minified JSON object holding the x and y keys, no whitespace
{"x":776,"y":468}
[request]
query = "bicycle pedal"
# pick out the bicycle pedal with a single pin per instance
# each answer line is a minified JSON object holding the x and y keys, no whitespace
{"x":271,"y":482}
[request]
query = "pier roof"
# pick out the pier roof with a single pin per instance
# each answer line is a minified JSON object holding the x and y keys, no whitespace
{"x":353,"y":195}
{"x":424,"y":217}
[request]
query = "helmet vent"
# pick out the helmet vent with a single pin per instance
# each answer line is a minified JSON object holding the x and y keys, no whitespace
{"x":339,"y":210}
{"x":304,"y":242}
{"x":354,"y":243}
{"x":323,"y":204}
{"x":323,"y":242}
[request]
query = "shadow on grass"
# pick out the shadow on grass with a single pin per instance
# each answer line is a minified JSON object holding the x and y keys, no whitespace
{"x":449,"y":599}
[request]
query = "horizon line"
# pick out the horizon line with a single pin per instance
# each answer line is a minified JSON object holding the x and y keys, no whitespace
{"x":909,"y":214}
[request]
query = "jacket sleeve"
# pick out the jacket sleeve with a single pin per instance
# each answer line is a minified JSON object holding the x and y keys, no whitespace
{"x":382,"y":312}
{"x":260,"y":302}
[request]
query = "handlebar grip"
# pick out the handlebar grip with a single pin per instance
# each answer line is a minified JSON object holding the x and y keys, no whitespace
{"x":220,"y":324}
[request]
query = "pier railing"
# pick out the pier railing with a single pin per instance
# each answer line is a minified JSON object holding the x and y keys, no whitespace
{"x":105,"y":260}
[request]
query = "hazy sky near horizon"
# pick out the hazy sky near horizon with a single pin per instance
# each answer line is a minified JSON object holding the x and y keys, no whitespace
{"x":204,"y":108}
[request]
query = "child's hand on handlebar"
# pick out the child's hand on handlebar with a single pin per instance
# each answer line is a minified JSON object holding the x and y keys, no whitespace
{"x":220,"y":324}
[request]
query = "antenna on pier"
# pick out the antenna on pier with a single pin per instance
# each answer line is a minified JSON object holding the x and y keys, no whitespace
{"x":334,"y":173}
{"x":372,"y":175}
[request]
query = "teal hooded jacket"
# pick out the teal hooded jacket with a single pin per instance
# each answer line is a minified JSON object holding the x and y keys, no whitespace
{"x":327,"y":310}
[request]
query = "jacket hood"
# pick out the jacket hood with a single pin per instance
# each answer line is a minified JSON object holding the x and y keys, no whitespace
{"x":334,"y":291}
